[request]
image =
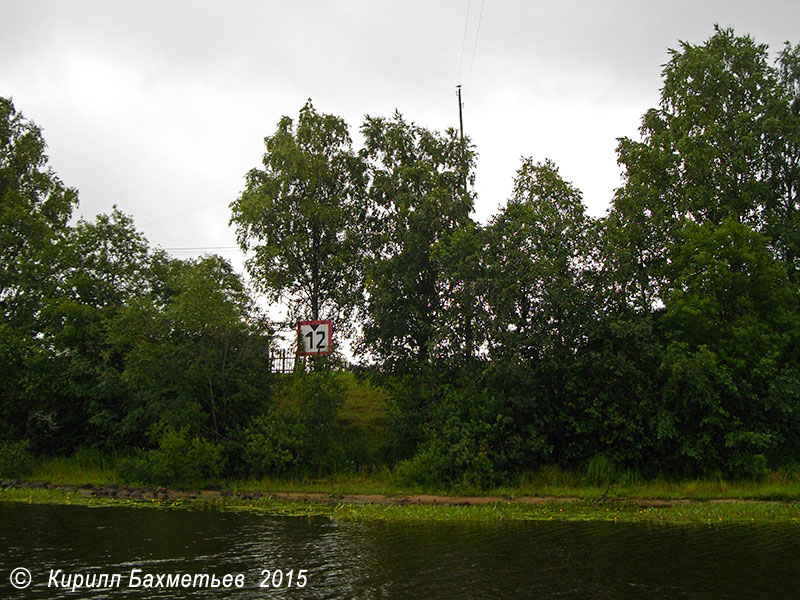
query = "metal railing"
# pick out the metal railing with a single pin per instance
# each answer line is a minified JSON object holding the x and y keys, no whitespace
{"x":287,"y":361}
{"x":284,"y":361}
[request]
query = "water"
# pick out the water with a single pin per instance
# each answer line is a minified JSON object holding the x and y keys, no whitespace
{"x":375,"y":560}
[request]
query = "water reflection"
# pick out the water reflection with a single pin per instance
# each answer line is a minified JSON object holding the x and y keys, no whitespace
{"x":377,"y":560}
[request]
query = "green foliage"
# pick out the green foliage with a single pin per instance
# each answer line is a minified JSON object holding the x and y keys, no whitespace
{"x":418,"y":199}
{"x":534,"y":279}
{"x":612,"y":394}
{"x":179,"y":460}
{"x":662,"y":338}
{"x":733,"y":326}
{"x":35,"y":207}
{"x":703,"y":234}
{"x":746,"y":459}
{"x":16,"y":459}
{"x":300,"y":433}
{"x":470,"y":441}
{"x":601,"y":471}
{"x":722,"y":145}
{"x":302,"y":214}
{"x":269,"y":446}
{"x":196,"y":356}
{"x":103,"y":268}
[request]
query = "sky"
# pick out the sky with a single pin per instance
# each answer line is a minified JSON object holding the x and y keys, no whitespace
{"x":161,"y":108}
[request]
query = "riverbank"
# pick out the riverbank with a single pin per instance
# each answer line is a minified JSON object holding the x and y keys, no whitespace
{"x":100,"y":470}
{"x":413,"y":507}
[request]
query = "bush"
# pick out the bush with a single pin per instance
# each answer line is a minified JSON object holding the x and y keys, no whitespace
{"x":16,"y":459}
{"x":747,"y":466}
{"x":746,"y":458}
{"x":461,"y":468}
{"x":178,"y":461}
{"x":269,"y":445}
{"x":470,"y":442}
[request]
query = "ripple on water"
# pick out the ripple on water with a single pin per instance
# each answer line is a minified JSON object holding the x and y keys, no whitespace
{"x":399,"y":560}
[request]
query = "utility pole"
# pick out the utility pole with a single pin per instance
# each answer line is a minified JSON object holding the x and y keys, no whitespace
{"x":461,"y":126}
{"x":460,"y":105}
{"x":468,"y":337}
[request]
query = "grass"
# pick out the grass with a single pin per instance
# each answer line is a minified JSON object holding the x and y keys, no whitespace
{"x":705,"y":514}
{"x":364,"y":405}
{"x":93,"y":468}
{"x":381,"y":482}
{"x":83,"y":467}
{"x":552,"y":481}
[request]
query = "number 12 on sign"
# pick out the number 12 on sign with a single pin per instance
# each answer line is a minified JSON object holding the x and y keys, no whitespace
{"x":314,"y":337}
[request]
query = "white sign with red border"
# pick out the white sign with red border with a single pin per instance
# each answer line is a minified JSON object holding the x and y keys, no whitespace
{"x":314,"y":338}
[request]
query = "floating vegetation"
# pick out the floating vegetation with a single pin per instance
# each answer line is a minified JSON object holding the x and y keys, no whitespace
{"x":712,"y":513}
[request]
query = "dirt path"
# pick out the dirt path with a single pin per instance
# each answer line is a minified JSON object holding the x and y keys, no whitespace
{"x":163,"y":493}
{"x":472,"y":500}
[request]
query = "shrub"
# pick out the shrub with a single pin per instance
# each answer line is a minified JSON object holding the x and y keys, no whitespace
{"x":747,"y":466}
{"x":470,"y":442}
{"x":269,"y":445}
{"x":16,"y":459}
{"x":746,"y":459}
{"x":178,"y":460}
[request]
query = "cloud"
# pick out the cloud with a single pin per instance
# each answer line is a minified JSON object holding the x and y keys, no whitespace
{"x":161,"y":107}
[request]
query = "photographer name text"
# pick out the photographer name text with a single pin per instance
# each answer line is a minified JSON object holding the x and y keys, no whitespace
{"x":138,"y":578}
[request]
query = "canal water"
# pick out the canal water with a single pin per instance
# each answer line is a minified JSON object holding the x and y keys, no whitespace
{"x":376,"y":560}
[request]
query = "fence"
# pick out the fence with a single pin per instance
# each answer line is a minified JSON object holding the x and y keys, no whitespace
{"x":284,"y":361}
{"x":287,"y":361}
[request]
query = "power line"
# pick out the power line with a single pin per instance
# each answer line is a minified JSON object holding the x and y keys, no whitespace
{"x":463,"y":43}
{"x":475,"y":47}
{"x":185,"y":213}
{"x":186,"y":251}
{"x":203,"y":248}
{"x":427,"y":108}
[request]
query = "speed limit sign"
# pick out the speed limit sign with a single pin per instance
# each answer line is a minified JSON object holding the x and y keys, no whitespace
{"x":314,"y":337}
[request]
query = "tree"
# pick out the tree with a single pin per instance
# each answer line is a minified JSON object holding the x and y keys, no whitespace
{"x":34,"y":209}
{"x":418,"y":198}
{"x":703,"y":236}
{"x":199,"y":360}
{"x":302,"y":216}
{"x":715,"y":148}
{"x":102,"y":268}
{"x":104,"y":263}
{"x":538,"y":251}
{"x":782,"y":213}
{"x":73,"y":390}
{"x":538,"y":306}
{"x":731,"y":362}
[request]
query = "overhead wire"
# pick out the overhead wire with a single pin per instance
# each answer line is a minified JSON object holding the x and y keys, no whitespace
{"x":236,"y":249}
{"x":199,"y":208}
{"x":463,"y":42}
{"x":430,"y":106}
{"x":475,"y":47}
{"x":193,"y":248}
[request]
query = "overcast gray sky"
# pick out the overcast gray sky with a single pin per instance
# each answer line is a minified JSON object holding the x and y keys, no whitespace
{"x":161,"y":107}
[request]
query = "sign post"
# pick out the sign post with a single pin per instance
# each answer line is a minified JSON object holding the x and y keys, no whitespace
{"x":314,"y":338}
